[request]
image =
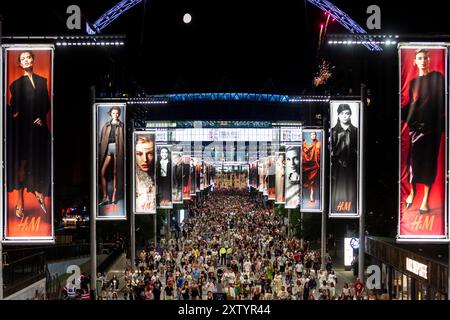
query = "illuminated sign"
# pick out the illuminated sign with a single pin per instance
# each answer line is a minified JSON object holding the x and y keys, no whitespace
{"x":348,"y":252}
{"x":417,"y":268}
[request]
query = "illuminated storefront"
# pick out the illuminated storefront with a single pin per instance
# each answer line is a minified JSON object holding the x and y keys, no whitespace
{"x":409,"y":271}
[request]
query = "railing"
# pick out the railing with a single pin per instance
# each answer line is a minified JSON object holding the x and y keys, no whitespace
{"x":53,"y":286}
{"x":113,"y":255}
{"x":52,"y":253}
{"x":23,"y":272}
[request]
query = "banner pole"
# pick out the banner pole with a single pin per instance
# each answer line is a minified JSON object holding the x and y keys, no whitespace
{"x":362,"y":193}
{"x":448,"y":275}
{"x":92,"y":221}
{"x":155,"y":229}
{"x":324,"y":191}
{"x":289,"y":223}
{"x":132,"y":217}
{"x":323,"y":241}
{"x":1,"y":170}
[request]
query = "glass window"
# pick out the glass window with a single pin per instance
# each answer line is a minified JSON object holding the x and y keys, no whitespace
{"x":406,"y":285}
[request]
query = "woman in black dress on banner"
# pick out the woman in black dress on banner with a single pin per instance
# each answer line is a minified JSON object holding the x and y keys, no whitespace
{"x":28,"y":142}
{"x":425,"y":118}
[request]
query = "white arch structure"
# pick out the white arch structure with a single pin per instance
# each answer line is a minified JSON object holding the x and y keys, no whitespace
{"x":348,"y":23}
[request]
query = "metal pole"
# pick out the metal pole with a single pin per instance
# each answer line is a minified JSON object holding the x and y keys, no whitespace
{"x":132,"y":239}
{"x":1,"y":270}
{"x":448,"y":275}
{"x":1,"y":170}
{"x":301,"y":228}
{"x":324,"y":193}
{"x":289,"y":223}
{"x":168,"y":226}
{"x":132,"y":217}
{"x":92,"y":221}
{"x":362,"y":193}
{"x":155,"y":229}
{"x":323,"y":241}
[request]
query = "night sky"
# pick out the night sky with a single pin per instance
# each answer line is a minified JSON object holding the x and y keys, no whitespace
{"x":240,"y":46}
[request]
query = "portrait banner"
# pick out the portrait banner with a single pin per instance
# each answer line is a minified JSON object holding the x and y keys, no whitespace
{"x":344,"y":162}
{"x":265,"y":169}
{"x":423,"y":127}
{"x":293,"y":177}
{"x":164,"y":176}
{"x":27,"y":122}
{"x":192,"y":172}
{"x":186,"y":177}
{"x":312,"y":170}
{"x":177,"y":177}
{"x":144,"y":174}
{"x":198,"y":168}
{"x":261,"y":175}
{"x":254,"y":177}
{"x":202,"y":175}
{"x":271,"y":178}
{"x":280,"y":165}
{"x":110,"y":163}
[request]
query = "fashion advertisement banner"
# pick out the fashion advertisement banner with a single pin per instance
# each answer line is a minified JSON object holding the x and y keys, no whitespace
{"x":177,"y":177}
{"x":192,"y":172}
{"x":261,"y":175}
{"x":312,"y":170}
{"x":265,"y":169}
{"x":186,"y":177}
{"x":423,"y":127}
{"x":253,"y":175}
{"x":206,"y":168}
{"x":292,"y":177}
{"x":28,"y":148}
{"x":198,"y":168}
{"x":110,"y":129}
{"x":271,"y":177}
{"x":164,"y":177}
{"x":202,"y":176}
{"x":280,"y":164}
{"x":344,"y":170}
{"x":144,"y":172}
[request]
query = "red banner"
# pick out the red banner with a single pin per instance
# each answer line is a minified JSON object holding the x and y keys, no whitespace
{"x":28,"y":152}
{"x":423,"y":112}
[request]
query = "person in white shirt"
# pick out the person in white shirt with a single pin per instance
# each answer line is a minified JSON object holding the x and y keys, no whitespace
{"x":247,"y":266}
{"x":299,"y":269}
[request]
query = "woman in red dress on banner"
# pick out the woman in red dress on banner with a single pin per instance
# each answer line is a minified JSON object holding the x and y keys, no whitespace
{"x":311,"y":164}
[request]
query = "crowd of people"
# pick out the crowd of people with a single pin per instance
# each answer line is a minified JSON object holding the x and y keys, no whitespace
{"x":232,"y":247}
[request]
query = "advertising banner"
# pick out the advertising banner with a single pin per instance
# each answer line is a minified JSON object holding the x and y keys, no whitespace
{"x":110,"y":130}
{"x":292,"y":176}
{"x":192,"y":172}
{"x":265,"y":163}
{"x":144,"y":172}
{"x":423,"y":133}
{"x":177,"y":177}
{"x":271,"y":177}
{"x":202,"y":176}
{"x":280,"y":164}
{"x":186,"y":177}
{"x":28,"y":149}
{"x":253,"y":175}
{"x":261,"y":175}
{"x":198,"y":169}
{"x":312,"y":170}
{"x":164,"y":177}
{"x":344,"y":170}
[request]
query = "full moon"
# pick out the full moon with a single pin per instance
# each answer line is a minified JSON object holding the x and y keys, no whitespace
{"x":187,"y":18}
